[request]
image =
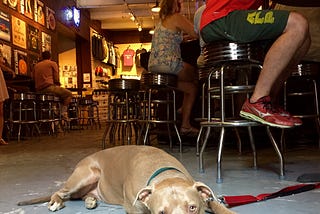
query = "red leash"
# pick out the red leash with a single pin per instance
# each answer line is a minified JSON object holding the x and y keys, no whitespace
{"x":232,"y":201}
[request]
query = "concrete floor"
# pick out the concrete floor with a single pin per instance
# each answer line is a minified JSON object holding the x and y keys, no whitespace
{"x":39,"y":166}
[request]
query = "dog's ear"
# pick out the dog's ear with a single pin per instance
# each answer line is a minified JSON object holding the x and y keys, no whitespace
{"x":143,"y":195}
{"x":205,"y":192}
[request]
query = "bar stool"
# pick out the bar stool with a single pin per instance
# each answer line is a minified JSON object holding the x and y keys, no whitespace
{"x":45,"y":111}
{"x":160,"y":95}
{"x":23,"y":112}
{"x":123,"y":112}
{"x":73,"y":113}
{"x":302,"y":87}
{"x":88,"y":112}
{"x":223,"y":62}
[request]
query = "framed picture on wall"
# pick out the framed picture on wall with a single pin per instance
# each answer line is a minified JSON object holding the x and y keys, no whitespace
{"x":6,"y":54}
{"x":46,"y":42}
{"x":39,"y":12}
{"x":5,"y":27}
{"x":18,"y":32}
{"x":27,"y":8}
{"x":20,"y":62}
{"x":33,"y":59}
{"x":13,"y":4}
{"x":33,"y":38}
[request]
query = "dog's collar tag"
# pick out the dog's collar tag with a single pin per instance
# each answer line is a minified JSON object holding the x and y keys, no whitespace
{"x":159,"y":171}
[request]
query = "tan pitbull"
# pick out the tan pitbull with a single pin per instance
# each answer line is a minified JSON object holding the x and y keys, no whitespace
{"x":143,"y":179}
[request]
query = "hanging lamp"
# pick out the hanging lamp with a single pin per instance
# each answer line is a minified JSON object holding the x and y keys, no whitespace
{"x":156,"y":8}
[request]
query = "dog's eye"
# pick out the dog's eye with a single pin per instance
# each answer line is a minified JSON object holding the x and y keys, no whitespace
{"x":192,"y":209}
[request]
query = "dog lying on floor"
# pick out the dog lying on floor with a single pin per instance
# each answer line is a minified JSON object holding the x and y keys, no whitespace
{"x":143,"y":179}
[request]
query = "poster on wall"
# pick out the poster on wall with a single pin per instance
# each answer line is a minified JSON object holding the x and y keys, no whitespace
{"x":27,"y":8}
{"x":18,"y":32}
{"x":6,"y":54}
{"x":13,"y":4}
{"x":5,"y":27}
{"x":20,"y":62}
{"x":33,"y":39}
{"x":39,"y":12}
{"x":51,"y":20}
{"x":33,"y":59}
{"x":46,"y":42}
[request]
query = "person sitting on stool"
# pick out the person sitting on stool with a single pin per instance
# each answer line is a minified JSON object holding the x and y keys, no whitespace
{"x":240,"y":21}
{"x":46,"y":78}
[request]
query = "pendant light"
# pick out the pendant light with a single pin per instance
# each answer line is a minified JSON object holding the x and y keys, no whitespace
{"x":156,"y":8}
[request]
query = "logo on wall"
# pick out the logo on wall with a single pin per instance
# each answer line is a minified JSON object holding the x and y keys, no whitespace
{"x":19,"y":32}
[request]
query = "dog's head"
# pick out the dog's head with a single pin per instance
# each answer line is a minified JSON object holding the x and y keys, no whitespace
{"x":175,"y":196}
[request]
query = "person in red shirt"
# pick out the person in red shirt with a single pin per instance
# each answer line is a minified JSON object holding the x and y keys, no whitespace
{"x":241,"y":21}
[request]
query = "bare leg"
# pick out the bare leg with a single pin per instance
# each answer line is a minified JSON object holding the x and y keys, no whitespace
{"x":1,"y":123}
{"x":187,"y":84}
{"x":288,"y":49}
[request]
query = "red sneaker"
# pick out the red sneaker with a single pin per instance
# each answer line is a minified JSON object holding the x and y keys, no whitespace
{"x":262,"y":111}
{"x":297,"y":121}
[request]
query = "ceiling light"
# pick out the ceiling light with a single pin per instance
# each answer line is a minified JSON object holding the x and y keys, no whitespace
{"x":139,"y":28}
{"x":156,"y":8}
{"x":151,"y":31}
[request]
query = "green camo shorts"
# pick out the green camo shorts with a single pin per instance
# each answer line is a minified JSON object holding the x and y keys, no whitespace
{"x":247,"y":26}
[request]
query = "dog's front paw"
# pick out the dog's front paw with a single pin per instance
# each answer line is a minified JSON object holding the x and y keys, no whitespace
{"x":55,"y":206}
{"x":90,"y":202}
{"x":55,"y":203}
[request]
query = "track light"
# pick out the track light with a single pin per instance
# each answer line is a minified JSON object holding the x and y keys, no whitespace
{"x":151,"y":31}
{"x":156,"y":8}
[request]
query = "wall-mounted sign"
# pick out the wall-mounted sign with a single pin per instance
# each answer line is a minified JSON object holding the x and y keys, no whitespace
{"x":46,"y":42}
{"x":20,"y":60}
{"x":76,"y":16}
{"x":33,"y":39}
{"x":51,"y":20}
{"x":18,"y":32}
{"x":28,"y":8}
{"x":5,"y":27}
{"x":6,"y":54}
{"x":72,"y":16}
{"x":39,"y":12}
{"x":11,"y":3}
